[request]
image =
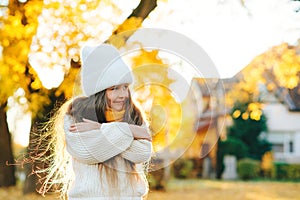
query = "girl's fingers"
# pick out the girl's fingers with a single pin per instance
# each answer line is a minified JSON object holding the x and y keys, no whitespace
{"x":72,"y":129}
{"x":86,"y":125}
{"x":87,"y":120}
{"x":75,"y":127}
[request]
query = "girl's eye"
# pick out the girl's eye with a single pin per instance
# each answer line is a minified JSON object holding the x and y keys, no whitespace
{"x":125,"y":87}
{"x":113,"y":88}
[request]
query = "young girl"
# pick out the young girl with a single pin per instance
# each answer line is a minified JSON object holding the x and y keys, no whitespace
{"x":106,"y":137}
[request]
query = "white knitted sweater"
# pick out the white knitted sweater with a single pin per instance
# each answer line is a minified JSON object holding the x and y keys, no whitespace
{"x":92,"y":147}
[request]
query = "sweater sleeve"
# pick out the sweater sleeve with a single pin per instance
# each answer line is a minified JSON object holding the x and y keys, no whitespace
{"x":139,"y":151}
{"x":98,"y":145}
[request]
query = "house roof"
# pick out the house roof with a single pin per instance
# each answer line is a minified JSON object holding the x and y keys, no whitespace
{"x":293,"y":98}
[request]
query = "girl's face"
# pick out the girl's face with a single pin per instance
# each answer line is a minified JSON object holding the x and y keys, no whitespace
{"x":117,"y":96}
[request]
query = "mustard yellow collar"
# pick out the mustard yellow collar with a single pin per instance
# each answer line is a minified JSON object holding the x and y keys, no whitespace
{"x":113,"y":115}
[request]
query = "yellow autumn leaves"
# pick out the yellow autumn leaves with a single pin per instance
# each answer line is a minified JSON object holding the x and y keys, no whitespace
{"x":277,"y":67}
{"x":172,"y":122}
{"x":50,"y":33}
{"x":253,"y":111}
{"x":18,"y":26}
{"x":287,"y":66}
{"x":152,"y":87}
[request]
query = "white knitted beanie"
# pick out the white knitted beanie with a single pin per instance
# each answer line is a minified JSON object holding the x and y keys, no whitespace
{"x":102,"y":67}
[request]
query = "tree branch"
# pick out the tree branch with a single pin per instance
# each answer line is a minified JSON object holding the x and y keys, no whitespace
{"x":141,"y":12}
{"x":144,"y":9}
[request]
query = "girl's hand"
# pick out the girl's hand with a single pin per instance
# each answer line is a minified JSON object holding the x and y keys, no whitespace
{"x":86,"y":125}
{"x":140,"y":133}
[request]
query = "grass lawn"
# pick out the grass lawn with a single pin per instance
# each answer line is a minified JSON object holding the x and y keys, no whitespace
{"x":232,"y":190}
{"x":200,"y":189}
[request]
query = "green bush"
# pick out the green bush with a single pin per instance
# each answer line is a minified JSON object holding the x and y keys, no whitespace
{"x":294,"y":172}
{"x":248,"y":168}
{"x":182,"y":168}
{"x":279,"y":171}
{"x":285,"y":171}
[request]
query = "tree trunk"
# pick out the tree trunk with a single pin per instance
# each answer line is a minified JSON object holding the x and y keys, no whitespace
{"x":7,"y":167}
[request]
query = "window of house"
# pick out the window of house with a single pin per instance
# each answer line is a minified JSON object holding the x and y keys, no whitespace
{"x":277,"y":148}
{"x":291,"y":147}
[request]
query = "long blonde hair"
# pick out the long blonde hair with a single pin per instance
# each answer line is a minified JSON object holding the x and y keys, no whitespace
{"x":55,"y":177}
{"x":58,"y":177}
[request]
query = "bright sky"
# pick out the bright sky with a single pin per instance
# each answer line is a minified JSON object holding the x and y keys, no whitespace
{"x":19,"y":122}
{"x":231,"y":34}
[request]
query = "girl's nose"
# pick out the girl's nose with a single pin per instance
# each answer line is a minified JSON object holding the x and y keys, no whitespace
{"x":123,"y":92}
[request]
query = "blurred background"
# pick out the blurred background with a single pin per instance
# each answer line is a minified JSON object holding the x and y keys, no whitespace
{"x":236,"y":136}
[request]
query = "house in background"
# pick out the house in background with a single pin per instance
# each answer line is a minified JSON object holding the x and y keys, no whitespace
{"x":283,"y":132}
{"x":282,"y":110}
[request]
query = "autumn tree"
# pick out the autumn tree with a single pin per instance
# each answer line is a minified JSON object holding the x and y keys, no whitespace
{"x":249,"y":122}
{"x":282,"y":73}
{"x":277,"y":70}
{"x":17,"y":29}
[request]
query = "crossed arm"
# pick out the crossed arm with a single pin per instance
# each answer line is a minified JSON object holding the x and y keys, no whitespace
{"x":138,"y":132}
{"x":91,"y":142}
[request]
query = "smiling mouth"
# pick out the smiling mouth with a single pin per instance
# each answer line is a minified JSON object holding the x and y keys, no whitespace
{"x":119,"y":102}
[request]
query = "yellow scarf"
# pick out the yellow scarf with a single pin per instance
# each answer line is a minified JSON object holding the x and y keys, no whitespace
{"x":113,"y":115}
